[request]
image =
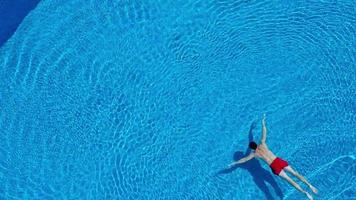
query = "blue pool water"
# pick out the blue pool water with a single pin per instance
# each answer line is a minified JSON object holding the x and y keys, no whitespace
{"x":153,"y":99}
{"x":12,"y":13}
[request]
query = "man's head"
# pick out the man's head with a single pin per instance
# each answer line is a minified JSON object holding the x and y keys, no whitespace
{"x":253,"y":145}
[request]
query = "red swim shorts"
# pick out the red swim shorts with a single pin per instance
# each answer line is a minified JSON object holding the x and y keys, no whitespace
{"x":278,"y":165}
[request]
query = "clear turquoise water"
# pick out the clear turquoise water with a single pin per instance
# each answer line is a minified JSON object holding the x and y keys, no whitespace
{"x":153,"y":99}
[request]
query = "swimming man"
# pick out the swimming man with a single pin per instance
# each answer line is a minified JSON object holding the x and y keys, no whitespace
{"x":278,"y":166}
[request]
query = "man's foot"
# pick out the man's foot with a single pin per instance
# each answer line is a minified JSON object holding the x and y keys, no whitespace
{"x":310,"y":197}
{"x":314,"y":189}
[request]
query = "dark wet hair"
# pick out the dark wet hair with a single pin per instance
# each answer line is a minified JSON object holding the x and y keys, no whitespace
{"x":253,"y":145}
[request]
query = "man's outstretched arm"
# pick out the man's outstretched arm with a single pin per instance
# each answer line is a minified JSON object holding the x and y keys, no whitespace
{"x":264,"y":130}
{"x":242,"y":160}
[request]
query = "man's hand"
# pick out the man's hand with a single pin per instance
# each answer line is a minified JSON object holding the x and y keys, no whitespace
{"x":264,"y":129}
{"x":232,"y":164}
{"x":242,"y":160}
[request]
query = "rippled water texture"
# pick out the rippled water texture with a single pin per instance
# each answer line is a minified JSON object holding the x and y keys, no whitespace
{"x":151,"y":99}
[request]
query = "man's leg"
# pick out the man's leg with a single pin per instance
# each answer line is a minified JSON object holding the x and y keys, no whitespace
{"x":296,"y":174}
{"x":294,"y":184}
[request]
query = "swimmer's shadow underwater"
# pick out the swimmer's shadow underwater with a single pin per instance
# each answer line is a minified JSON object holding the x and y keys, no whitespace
{"x":260,"y":175}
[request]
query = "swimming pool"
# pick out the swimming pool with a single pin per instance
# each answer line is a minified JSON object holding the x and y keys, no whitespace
{"x":152,"y":99}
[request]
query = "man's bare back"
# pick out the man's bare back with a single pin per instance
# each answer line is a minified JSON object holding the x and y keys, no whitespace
{"x":278,"y":165}
{"x":264,"y":153}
